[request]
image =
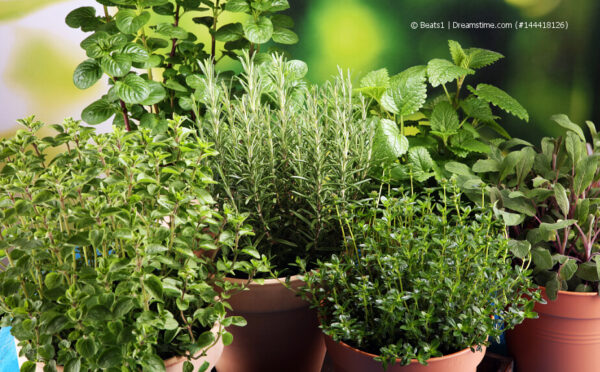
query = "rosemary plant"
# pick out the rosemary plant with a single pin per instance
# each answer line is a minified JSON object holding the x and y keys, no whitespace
{"x":420,"y":277}
{"x":289,"y":153}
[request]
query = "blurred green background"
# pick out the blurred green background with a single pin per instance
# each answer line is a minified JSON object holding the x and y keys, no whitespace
{"x":548,"y":71}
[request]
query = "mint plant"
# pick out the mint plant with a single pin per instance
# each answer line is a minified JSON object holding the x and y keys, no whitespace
{"x":147,"y":54}
{"x":425,"y":128}
{"x":290,"y":153}
{"x":109,"y":250}
{"x":549,"y":198}
{"x":421,"y":276}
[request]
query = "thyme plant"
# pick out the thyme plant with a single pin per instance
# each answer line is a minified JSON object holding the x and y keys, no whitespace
{"x":421,"y":276}
{"x":108,"y":249}
{"x":289,"y":153}
{"x":146,"y":51}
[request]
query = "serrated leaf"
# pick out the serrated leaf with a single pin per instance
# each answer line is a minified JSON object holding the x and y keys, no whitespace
{"x":477,"y":109}
{"x":388,"y":142}
{"x":87,"y":74}
{"x":444,"y":120}
{"x":129,"y":22}
{"x":442,"y":71}
{"x":457,"y":52}
{"x":374,"y":83}
{"x":420,"y":163}
{"x":283,"y":35}
{"x":407,"y":91}
{"x":98,"y":112}
{"x":116,"y":65}
{"x":564,"y":121}
{"x":132,"y":89}
{"x":478,"y":58}
{"x":501,"y":99}
{"x":258,"y":31}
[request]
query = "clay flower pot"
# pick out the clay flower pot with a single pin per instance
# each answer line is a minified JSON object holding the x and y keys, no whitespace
{"x":348,"y":359}
{"x":174,"y":364}
{"x":282,"y":333}
{"x":565,"y":337}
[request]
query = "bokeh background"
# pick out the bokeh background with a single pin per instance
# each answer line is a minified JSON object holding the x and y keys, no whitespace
{"x":548,"y":71}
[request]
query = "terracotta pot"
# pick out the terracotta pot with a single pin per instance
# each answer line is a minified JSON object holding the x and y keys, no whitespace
{"x":174,"y":364}
{"x":282,"y":333}
{"x":348,"y":359}
{"x":565,"y":337}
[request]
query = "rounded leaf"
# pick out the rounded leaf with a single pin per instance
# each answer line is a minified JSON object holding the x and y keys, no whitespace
{"x":87,"y":74}
{"x":296,"y":69}
{"x":284,"y":36}
{"x":132,"y":89}
{"x":135,"y":52}
{"x":129,"y":22}
{"x":84,"y":17}
{"x":98,"y":112}
{"x":116,"y":65}
{"x":258,"y":31}
{"x":157,"y":93}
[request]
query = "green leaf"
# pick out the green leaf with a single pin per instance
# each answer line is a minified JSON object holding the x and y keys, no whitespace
{"x":588,"y":271}
{"x":284,"y":36}
{"x":116,"y":65}
{"x":524,"y":163}
{"x":237,"y":6}
{"x":519,"y":248}
{"x":28,"y":366}
{"x":552,"y":287}
{"x":172,"y":32}
{"x":73,"y":365}
{"x":542,"y":258}
{"x":444,"y":120}
{"x":129,"y":22}
{"x":84,"y":17}
{"x":282,"y":20}
{"x":258,"y":31}
{"x":420,"y":163}
{"x":458,"y":168}
{"x":98,"y":112}
{"x":110,"y":358}
{"x":501,"y":99}
{"x":407,"y":92}
{"x":374,"y":83}
{"x":486,"y":165}
{"x":227,"y":338}
{"x":87,"y":74}
{"x":52,"y":280}
{"x":457,"y":52}
{"x":154,"y":286}
{"x":388,"y":143}
{"x":510,"y":219}
{"x":296,"y":69}
{"x":230,"y":32}
{"x":560,"y":224}
{"x":156,"y":95}
{"x":568,"y":269}
{"x":585,"y":173}
{"x":442,"y":71}
{"x":153,"y":363}
{"x":478,"y":58}
{"x":564,"y":121}
{"x":561,"y":199}
{"x":132,"y":89}
{"x":176,"y":86}
{"x":135,"y":52}
{"x":477,"y":109}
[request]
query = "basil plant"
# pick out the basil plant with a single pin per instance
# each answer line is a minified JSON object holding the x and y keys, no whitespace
{"x":108,"y":246}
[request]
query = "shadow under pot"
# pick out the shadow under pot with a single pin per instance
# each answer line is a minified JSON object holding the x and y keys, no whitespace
{"x":565,"y":337}
{"x":348,"y":359}
{"x":282,"y":333}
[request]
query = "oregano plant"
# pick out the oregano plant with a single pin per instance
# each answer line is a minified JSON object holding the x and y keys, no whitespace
{"x":109,"y":248}
{"x":429,"y":121}
{"x":147,"y":53}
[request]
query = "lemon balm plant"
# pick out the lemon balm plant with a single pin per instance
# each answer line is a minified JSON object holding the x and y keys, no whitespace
{"x":421,"y":276}
{"x":431,"y":123}
{"x":109,"y":248}
{"x":146,"y":50}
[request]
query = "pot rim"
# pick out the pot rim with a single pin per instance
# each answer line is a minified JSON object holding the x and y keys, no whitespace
{"x":571,"y":293}
{"x":267,"y":282}
{"x":434,"y":359}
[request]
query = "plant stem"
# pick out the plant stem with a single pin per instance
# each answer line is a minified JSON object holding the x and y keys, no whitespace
{"x":125,"y":115}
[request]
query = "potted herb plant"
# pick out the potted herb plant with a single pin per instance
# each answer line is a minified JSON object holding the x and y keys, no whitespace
{"x":290,"y":153}
{"x":433,"y":123}
{"x":418,"y":285}
{"x":109,"y":249}
{"x":147,"y":49}
{"x":549,"y":198}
